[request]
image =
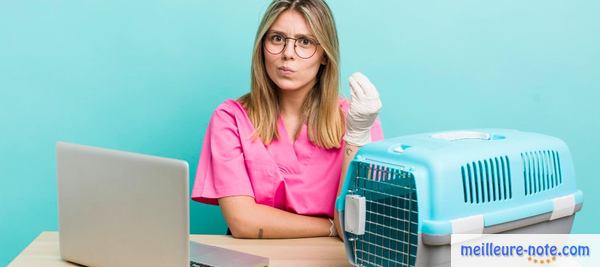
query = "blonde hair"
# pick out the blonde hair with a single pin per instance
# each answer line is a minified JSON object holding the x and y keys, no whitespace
{"x":324,"y":117}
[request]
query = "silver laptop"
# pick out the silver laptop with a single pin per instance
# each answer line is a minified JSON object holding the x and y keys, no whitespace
{"x":125,"y":209}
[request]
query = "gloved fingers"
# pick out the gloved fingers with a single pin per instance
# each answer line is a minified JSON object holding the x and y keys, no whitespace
{"x":355,"y":89}
{"x":353,"y":84}
{"x":368,"y":88}
{"x":356,"y":77}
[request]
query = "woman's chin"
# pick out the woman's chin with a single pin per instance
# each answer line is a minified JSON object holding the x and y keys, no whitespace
{"x":286,"y":86}
{"x":290,"y":85}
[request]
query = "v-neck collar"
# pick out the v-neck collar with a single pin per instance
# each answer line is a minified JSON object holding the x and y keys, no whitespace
{"x":291,"y":155}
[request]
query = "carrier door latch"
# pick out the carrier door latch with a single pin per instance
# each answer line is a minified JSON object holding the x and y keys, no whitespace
{"x":355,"y":214}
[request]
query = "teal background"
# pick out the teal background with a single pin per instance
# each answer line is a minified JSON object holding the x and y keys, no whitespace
{"x":144,"y":76}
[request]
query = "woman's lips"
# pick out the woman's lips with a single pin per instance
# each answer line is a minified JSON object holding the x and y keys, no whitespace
{"x":285,"y":70}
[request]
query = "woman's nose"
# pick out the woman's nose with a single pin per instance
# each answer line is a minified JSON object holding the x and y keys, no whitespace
{"x":288,"y":50}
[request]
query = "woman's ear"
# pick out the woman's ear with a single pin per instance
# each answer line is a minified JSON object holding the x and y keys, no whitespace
{"x":324,"y":61}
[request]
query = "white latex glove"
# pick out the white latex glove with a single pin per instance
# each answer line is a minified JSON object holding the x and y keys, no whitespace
{"x":364,"y":107}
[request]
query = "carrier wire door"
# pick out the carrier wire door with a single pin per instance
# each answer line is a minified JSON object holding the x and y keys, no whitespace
{"x":390,"y":235}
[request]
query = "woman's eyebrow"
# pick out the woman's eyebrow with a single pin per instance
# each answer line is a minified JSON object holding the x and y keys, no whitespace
{"x":295,"y":36}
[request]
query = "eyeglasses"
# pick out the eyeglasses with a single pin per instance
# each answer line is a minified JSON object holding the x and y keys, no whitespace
{"x":304,"y":47}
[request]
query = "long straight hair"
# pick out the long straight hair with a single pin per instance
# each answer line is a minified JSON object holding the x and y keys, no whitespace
{"x":325,"y":119}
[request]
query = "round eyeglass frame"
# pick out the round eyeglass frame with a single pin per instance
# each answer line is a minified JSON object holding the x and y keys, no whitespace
{"x":265,"y":40}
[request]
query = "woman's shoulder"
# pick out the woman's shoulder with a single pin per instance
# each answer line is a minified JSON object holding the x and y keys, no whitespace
{"x":231,"y":106}
{"x":230,"y":109}
{"x":344,"y":104}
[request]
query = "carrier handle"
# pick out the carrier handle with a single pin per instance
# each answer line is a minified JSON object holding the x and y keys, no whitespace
{"x":461,"y":135}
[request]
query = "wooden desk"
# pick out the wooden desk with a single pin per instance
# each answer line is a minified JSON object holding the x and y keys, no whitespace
{"x":322,"y":251}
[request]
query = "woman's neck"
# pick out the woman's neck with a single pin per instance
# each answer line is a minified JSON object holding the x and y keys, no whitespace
{"x":291,"y":105}
{"x":291,"y":101}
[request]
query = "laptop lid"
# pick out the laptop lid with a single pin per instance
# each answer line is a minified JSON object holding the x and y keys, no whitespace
{"x":121,"y":209}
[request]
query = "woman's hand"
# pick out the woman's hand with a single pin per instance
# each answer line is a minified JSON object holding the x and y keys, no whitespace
{"x":364,"y":107}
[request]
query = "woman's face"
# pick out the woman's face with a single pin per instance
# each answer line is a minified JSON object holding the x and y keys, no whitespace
{"x":287,"y":69}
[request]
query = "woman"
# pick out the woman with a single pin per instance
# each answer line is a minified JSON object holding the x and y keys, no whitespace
{"x":272,"y":160}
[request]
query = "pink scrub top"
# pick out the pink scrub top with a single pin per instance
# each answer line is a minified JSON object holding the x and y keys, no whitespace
{"x":298,"y":177}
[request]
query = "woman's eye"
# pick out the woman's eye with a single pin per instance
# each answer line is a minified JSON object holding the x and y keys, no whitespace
{"x":277,"y":38}
{"x":305,"y":41}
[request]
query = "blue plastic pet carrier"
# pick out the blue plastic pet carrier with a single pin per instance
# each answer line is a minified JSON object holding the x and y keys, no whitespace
{"x":404,"y":197}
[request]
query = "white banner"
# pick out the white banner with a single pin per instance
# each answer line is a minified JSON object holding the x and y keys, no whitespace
{"x":525,"y":250}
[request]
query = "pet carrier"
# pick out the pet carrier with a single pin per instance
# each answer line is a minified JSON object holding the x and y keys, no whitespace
{"x":404,"y":197}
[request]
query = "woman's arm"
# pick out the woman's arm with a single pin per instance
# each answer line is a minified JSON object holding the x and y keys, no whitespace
{"x":349,"y":153}
{"x":364,"y":107}
{"x":247,"y":219}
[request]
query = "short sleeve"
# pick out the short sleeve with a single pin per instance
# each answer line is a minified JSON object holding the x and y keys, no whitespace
{"x":376,"y":130}
{"x":221,"y":170}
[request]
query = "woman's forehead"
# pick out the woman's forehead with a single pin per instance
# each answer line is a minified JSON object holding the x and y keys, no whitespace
{"x":291,"y":22}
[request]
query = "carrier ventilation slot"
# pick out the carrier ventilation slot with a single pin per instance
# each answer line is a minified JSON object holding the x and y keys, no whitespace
{"x":487,"y":180}
{"x":541,"y":171}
